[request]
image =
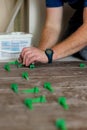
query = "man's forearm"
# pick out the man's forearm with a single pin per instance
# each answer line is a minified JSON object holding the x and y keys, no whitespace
{"x":49,"y":37}
{"x":72,"y":44}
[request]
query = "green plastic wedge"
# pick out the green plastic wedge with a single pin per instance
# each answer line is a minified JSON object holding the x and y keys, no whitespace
{"x":48,"y":86}
{"x":32,"y":66}
{"x":33,"y":90}
{"x":14,"y":87}
{"x":25,"y":75}
{"x":63,"y":102}
{"x":28,"y":103}
{"x":82,"y":65}
{"x":61,"y":124}
{"x":7,"y":67}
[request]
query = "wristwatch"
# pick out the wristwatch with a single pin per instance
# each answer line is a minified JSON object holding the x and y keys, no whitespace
{"x":49,"y":54}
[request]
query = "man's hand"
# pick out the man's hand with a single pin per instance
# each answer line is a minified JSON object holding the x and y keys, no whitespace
{"x":31,"y":55}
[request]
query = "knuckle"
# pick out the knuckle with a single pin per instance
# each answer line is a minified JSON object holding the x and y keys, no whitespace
{"x":28,"y":56}
{"x":23,"y":49}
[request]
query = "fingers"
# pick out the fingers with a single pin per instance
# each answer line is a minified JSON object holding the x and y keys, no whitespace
{"x":20,"y":59}
{"x":27,"y":55}
{"x":24,"y":51}
{"x":30,"y":60}
{"x":31,"y":55}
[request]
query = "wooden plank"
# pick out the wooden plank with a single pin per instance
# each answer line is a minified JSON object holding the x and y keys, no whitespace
{"x":67,"y":79}
{"x":60,"y":64}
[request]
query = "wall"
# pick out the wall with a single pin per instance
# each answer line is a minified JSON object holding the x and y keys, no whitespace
{"x":37,"y":18}
{"x":5,"y":10}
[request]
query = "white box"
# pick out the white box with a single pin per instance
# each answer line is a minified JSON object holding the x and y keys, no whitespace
{"x":12,"y":44}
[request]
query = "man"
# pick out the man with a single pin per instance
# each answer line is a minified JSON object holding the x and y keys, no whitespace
{"x":75,"y":38}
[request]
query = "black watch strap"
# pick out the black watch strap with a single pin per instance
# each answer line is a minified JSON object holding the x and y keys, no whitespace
{"x":49,"y":54}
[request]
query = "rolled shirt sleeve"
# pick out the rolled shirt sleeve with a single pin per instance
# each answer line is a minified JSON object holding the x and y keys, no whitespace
{"x":85,"y":3}
{"x":54,"y":3}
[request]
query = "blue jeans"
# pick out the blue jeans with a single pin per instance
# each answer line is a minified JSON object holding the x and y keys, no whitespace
{"x":74,"y":23}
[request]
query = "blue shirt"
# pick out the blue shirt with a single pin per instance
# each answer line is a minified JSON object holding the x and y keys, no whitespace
{"x":73,"y":3}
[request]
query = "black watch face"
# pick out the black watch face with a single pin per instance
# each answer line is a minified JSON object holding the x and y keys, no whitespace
{"x":49,"y":54}
{"x":49,"y":51}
